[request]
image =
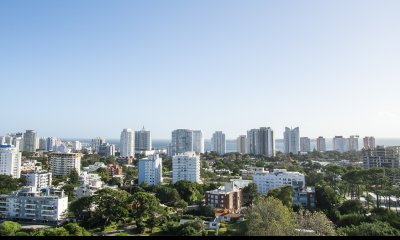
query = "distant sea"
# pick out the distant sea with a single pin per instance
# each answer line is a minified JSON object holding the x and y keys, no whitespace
{"x":231,"y":144}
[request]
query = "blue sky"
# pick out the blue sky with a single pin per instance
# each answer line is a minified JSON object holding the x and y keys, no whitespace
{"x":73,"y":68}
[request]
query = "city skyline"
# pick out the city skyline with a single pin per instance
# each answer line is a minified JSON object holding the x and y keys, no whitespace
{"x":77,"y":69}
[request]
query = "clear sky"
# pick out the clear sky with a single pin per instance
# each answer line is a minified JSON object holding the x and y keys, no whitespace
{"x":74,"y":68}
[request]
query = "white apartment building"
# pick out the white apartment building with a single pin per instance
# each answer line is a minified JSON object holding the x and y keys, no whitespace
{"x":278,"y":178}
{"x":292,"y":140}
{"x":76,"y":146}
{"x":181,"y":141}
{"x":39,"y":179}
{"x":186,"y":166}
{"x":142,"y":140}
{"x":94,"y":167}
{"x":150,"y":170}
{"x":62,"y":163}
{"x":47,"y":205}
{"x":89,"y":184}
{"x":305,"y":144}
{"x":241,"y":144}
{"x":251,"y":170}
{"x":10,"y":161}
{"x":353,"y":143}
{"x":218,"y":143}
{"x":127,"y":143}
{"x":198,"y":141}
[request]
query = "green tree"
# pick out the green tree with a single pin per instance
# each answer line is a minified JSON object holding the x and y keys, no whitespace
{"x":69,"y":190}
{"x":168,"y":196}
{"x":318,"y":222}
{"x":352,"y":206}
{"x":75,"y":230}
{"x":144,"y":205}
{"x":8,"y":184}
{"x":285,"y":194}
{"x":73,"y":177}
{"x":192,"y":228}
{"x":9,"y":228}
{"x":189,"y":191}
{"x":56,"y":232}
{"x":269,"y":217}
{"x":104,"y":174}
{"x":377,"y":228}
{"x":111,"y":205}
{"x":250,"y":194}
{"x":81,"y":208}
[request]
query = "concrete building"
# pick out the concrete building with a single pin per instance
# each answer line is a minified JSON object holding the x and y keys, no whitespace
{"x":94,"y":167}
{"x":381,"y":156}
{"x":186,"y":166}
{"x":225,"y":198}
{"x":127,"y":143}
{"x":150,"y":170}
{"x":142,"y":140}
{"x":321,"y":144}
{"x":181,"y":141}
{"x":198,"y":141}
{"x":76,"y":146}
{"x":241,"y":144}
{"x":106,"y":150}
{"x":10,"y":161}
{"x":339,"y":144}
{"x":61,"y":164}
{"x":250,"y":171}
{"x":278,"y":178}
{"x":30,"y":141}
{"x":39,"y":179}
{"x":305,"y":144}
{"x":292,"y":140}
{"x":218,"y":143}
{"x":89,"y":184}
{"x":114,"y":170}
{"x":369,"y":142}
{"x":353,"y":143}
{"x":47,"y":205}
{"x":43,"y":144}
{"x":96,"y":143}
{"x":261,"y":142}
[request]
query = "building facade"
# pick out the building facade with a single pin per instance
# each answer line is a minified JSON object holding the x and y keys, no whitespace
{"x":353,"y":143}
{"x":181,"y":141}
{"x":261,"y":142}
{"x":339,"y":144}
{"x":150,"y":170}
{"x":106,"y":150}
{"x":292,"y":140}
{"x":186,"y":166}
{"x":142,"y":140}
{"x":10,"y":161}
{"x":278,"y":178}
{"x":369,"y":142}
{"x":61,"y":164}
{"x":241,"y":144}
{"x":381,"y":156}
{"x":47,"y":205}
{"x":218,"y":143}
{"x":39,"y":179}
{"x":30,"y":141}
{"x":198,"y":141}
{"x":127,"y":143}
{"x":321,"y":144}
{"x":305,"y":144}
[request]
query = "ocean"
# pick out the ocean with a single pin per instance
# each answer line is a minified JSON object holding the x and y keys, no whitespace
{"x":231,"y":144}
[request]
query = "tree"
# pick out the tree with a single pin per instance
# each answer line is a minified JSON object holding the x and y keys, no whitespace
{"x":75,"y":230}
{"x":192,"y":228}
{"x":269,"y":217}
{"x":377,"y":228}
{"x":318,"y":222}
{"x":189,"y":191}
{"x":111,"y":205}
{"x":326,"y":197}
{"x":250,"y":194}
{"x":8,"y":184}
{"x":103,"y":173}
{"x":168,"y":196}
{"x":9,"y":228}
{"x":69,"y":190}
{"x":352,"y":206}
{"x":73,"y":177}
{"x":285,"y":194}
{"x":143,"y":205}
{"x":56,"y":232}
{"x":206,"y":210}
{"x":81,"y":208}
{"x":115,"y":181}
